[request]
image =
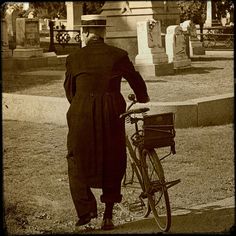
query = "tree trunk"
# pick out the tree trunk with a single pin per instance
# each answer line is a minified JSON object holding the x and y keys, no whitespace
{"x":201,"y":32}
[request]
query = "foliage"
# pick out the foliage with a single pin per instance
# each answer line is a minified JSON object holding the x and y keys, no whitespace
{"x":92,"y":7}
{"x":17,"y":6}
{"x":39,"y":9}
{"x":58,"y":9}
{"x":3,"y":10}
{"x":193,"y":10}
{"x":49,"y":9}
{"x":223,"y":7}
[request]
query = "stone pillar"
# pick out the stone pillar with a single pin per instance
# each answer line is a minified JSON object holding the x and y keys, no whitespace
{"x":11,"y":16}
{"x":74,"y":10}
{"x":176,"y":47}
{"x":195,"y":46}
{"x":27,"y":38}
{"x":208,"y":22}
{"x":151,"y":59}
{"x":5,"y":51}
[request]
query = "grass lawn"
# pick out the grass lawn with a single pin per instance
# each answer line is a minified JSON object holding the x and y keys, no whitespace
{"x":205,"y":78}
{"x":36,"y":191}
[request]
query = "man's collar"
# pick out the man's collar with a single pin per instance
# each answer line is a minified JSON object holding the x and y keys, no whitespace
{"x":95,"y":40}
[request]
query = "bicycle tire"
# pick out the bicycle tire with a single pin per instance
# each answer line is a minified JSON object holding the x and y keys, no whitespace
{"x":133,"y":201}
{"x":157,"y":193}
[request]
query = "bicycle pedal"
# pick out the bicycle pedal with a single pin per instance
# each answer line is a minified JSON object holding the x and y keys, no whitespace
{"x":136,"y":206}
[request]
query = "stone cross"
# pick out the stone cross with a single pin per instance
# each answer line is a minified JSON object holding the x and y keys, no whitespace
{"x":176,"y":47}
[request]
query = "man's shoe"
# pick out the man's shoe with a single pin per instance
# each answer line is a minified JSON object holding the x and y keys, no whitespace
{"x":83,"y":220}
{"x":107,"y":224}
{"x":93,"y":215}
{"x":86,"y":218}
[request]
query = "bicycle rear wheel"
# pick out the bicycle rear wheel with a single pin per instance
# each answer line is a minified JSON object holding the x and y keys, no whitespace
{"x":158,"y":197}
{"x":133,"y":201}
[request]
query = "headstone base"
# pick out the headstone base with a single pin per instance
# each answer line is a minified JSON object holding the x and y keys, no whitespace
{"x":182,"y":64}
{"x":5,"y":52}
{"x":25,"y":52}
{"x":160,"y":58}
{"x":196,"y":48}
{"x":155,"y":70}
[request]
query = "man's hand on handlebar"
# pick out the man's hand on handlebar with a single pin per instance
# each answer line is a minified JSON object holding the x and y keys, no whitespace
{"x":143,"y":100}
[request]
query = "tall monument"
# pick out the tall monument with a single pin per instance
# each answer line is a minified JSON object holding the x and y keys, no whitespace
{"x":124,"y":15}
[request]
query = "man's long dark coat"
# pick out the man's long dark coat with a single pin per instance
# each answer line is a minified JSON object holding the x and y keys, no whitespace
{"x":96,"y":137}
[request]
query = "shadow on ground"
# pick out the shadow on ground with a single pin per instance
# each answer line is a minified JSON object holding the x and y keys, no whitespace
{"x":211,"y":58}
{"x":197,"y":70}
{"x":15,"y":82}
{"x":206,"y":220}
{"x":187,"y":71}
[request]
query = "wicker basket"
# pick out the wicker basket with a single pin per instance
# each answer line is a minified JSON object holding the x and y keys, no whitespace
{"x":159,"y":131}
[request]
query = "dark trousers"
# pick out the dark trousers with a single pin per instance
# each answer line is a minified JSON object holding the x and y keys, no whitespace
{"x":82,"y":196}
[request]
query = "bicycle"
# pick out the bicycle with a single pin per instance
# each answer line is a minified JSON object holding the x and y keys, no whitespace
{"x":144,"y":187}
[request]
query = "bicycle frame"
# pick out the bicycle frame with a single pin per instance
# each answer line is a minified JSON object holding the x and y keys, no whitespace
{"x":134,"y":161}
{"x":146,"y":171}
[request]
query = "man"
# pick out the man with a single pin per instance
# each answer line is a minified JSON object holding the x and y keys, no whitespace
{"x":96,"y":138}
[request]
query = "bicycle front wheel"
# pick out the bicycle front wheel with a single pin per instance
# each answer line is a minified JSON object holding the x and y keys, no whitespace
{"x":158,"y":197}
{"x":134,"y":203}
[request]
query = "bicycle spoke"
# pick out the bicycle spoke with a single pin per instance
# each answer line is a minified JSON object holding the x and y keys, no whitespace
{"x":134,"y":201}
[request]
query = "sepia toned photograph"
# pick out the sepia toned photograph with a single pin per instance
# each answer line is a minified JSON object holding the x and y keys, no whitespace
{"x":118,"y":117}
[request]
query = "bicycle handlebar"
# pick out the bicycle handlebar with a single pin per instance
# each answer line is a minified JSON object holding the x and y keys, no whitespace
{"x":135,"y":111}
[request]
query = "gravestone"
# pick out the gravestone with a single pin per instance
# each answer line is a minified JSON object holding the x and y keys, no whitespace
{"x":124,"y":15}
{"x":195,"y":46}
{"x":5,"y":51}
{"x":74,"y":11}
{"x":176,"y":47}
{"x":151,"y":59}
{"x":27,"y":38}
{"x":11,"y":16}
